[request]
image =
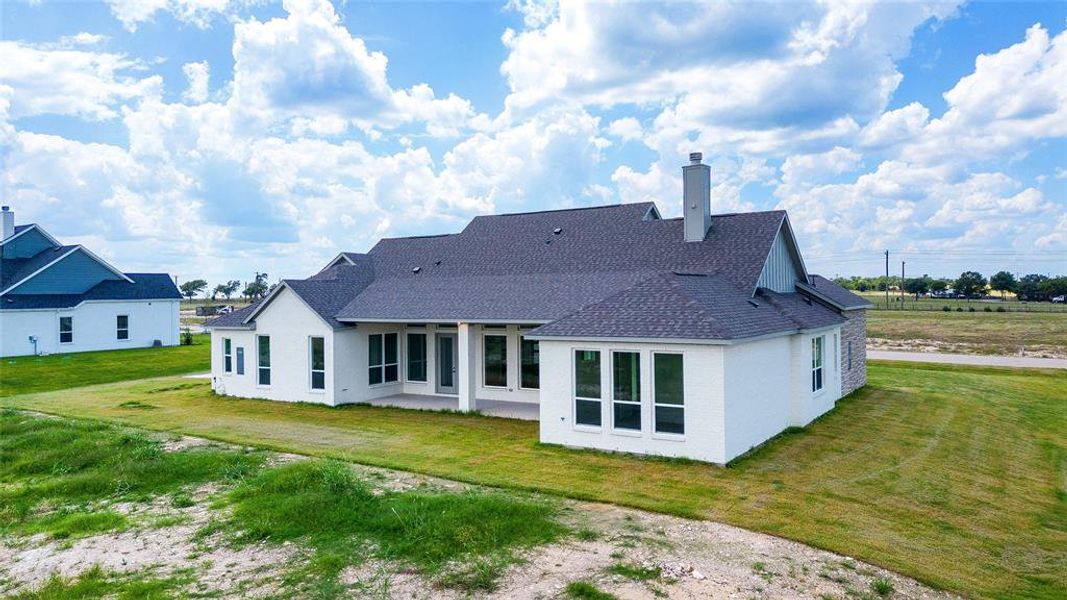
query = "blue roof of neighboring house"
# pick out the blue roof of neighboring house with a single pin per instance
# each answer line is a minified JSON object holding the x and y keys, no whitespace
{"x":145,"y":286}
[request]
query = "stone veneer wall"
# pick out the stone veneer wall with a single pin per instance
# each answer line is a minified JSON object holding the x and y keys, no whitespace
{"x":854,"y":332}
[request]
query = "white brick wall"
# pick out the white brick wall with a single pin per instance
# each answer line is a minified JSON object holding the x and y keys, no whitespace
{"x":94,"y":327}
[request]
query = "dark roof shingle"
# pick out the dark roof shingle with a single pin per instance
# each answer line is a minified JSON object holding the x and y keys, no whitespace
{"x":145,"y":286}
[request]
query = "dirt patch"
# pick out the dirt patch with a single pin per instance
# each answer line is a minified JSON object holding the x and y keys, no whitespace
{"x":935,"y":346}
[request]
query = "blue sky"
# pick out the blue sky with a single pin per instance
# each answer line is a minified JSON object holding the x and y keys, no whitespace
{"x":214,"y":138}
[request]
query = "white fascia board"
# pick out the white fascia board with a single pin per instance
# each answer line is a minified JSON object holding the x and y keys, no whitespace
{"x":33,"y":226}
{"x":104,"y":263}
{"x":38,"y":271}
{"x":783,"y":226}
{"x":448,"y":321}
{"x":83,"y":302}
{"x":706,"y":342}
{"x":270,"y":298}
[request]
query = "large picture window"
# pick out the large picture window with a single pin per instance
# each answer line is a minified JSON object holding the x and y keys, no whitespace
{"x":383,"y":354}
{"x":66,"y":330}
{"x":817,"y":350}
{"x":317,"y":358}
{"x":668,"y":394}
{"x":227,"y":355}
{"x":416,"y":357}
{"x":263,"y":359}
{"x":495,"y":360}
{"x":626,"y":390}
{"x":122,"y":327}
{"x":530,"y":367}
{"x":587,"y":395}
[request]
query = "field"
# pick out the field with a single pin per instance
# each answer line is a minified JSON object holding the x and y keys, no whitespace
{"x":1008,"y":333}
{"x":1007,"y":304}
{"x":954,"y":476}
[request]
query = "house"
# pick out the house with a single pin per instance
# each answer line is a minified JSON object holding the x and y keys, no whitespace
{"x":58,"y":298}
{"x":698,"y":337}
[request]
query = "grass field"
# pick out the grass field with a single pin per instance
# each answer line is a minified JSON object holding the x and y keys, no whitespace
{"x":955,"y":476}
{"x":981,"y":332}
{"x":1008,"y":304}
{"x":24,"y":374}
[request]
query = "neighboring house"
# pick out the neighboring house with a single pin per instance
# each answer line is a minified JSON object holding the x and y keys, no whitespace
{"x":698,"y":337}
{"x":56,"y":298}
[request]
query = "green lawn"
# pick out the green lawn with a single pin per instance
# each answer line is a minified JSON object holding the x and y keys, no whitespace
{"x":955,"y":476}
{"x":989,"y":333}
{"x":24,"y":374}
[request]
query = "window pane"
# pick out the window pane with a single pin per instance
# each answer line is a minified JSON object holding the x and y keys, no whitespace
{"x":228,"y":366}
{"x":240,"y":360}
{"x":391,"y":348}
{"x":375,"y":375}
{"x":627,"y":416}
{"x":226,"y":345}
{"x":416,"y":357}
{"x":668,"y":379}
{"x":264,"y":376}
{"x":318,"y":380}
{"x":531,"y":365}
{"x":66,"y":323}
{"x":264,"y":351}
{"x":374,"y":343}
{"x":587,"y":412}
{"x":587,"y":374}
{"x":496,"y":360}
{"x":392,"y":373}
{"x":318,"y":354}
{"x":626,"y":376}
{"x":123,"y":321}
{"x":670,"y":419}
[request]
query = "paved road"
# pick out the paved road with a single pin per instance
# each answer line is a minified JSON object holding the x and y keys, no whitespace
{"x":970,"y":359}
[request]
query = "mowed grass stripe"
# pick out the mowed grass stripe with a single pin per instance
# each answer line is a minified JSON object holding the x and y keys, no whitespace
{"x":952,"y":475}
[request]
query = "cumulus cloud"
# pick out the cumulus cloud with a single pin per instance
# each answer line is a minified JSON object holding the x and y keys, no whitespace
{"x":197,"y":73}
{"x":200,"y":13}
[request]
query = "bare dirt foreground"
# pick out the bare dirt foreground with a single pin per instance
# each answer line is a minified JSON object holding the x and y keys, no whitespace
{"x":618,"y":553}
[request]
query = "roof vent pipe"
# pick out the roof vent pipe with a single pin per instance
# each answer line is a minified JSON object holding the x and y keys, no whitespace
{"x":696,"y":197}
{"x":8,"y":221}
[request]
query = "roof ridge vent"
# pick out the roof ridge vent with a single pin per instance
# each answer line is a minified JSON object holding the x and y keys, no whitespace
{"x":753,"y":302}
{"x":689,"y":274}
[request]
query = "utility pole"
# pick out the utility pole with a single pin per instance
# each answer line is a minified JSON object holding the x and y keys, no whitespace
{"x":901,"y":285}
{"x":887,"y":279}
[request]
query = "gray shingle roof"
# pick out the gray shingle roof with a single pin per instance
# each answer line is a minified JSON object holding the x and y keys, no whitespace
{"x":836,"y":295}
{"x":145,"y":286}
{"x":235,"y":319}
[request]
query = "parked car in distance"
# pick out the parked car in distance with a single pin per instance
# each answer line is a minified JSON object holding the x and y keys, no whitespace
{"x":1060,"y":299}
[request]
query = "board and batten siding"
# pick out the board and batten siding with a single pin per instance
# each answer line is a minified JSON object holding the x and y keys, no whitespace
{"x":74,"y":274}
{"x":26,"y":245}
{"x":780,"y":273}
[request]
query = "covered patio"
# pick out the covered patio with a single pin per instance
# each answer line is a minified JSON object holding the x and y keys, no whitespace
{"x":525,"y":411}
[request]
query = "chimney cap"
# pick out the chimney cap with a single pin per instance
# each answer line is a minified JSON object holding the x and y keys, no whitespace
{"x":696,"y":157}
{"x":6,"y":208}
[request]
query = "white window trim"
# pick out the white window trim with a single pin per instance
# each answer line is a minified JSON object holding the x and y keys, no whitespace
{"x":311,"y":371}
{"x":230,"y":355}
{"x":495,"y":333}
{"x":538,"y":342}
{"x":626,"y":431}
{"x":574,"y":391}
{"x":118,"y":329}
{"x":666,"y":435}
{"x":384,"y":364}
{"x":407,"y":356}
{"x":268,"y":367}
{"x":822,"y":364}
{"x":71,"y":317}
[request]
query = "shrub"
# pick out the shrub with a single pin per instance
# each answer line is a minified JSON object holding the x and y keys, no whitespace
{"x":946,"y":308}
{"x":1001,"y":309}
{"x":988,"y":309}
{"x":959,"y":309}
{"x":970,"y":309}
{"x":187,"y":337}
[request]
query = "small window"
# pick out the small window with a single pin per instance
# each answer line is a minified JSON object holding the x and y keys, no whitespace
{"x":240,"y":360}
{"x":816,"y":362}
{"x":263,"y":359}
{"x":382,"y":358}
{"x":669,"y":393}
{"x":227,"y":356}
{"x":66,"y":330}
{"x":122,"y":327}
{"x":626,"y":390}
{"x":530,"y":367}
{"x":850,"y":355}
{"x":318,"y":363}
{"x":587,"y":387}
{"x":495,"y":360}
{"x":416,"y":357}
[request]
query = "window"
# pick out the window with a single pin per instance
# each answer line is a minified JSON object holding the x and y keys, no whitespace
{"x":263,"y":359}
{"x":816,"y":362}
{"x":587,"y":387}
{"x":850,"y":355}
{"x":240,"y":360}
{"x":66,"y":330}
{"x":383,"y":361}
{"x":530,"y":365}
{"x":318,"y":363}
{"x":122,"y":327}
{"x":227,"y":356}
{"x":626,"y":390}
{"x":669,"y":394}
{"x":495,"y":360}
{"x":416,"y":357}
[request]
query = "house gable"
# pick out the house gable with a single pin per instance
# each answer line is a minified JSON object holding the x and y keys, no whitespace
{"x":74,"y":273}
{"x":784,"y":267}
{"x":27,"y":243}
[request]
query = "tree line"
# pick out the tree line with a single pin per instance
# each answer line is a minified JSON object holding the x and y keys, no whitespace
{"x":970,"y":284}
{"x":252,"y":291}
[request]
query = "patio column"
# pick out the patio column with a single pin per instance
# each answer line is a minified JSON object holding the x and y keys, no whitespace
{"x":466,"y":341}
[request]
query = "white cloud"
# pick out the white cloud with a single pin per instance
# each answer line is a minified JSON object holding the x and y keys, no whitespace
{"x":200,"y":13}
{"x":626,"y":129}
{"x":895,"y":126}
{"x":82,"y":39}
{"x":802,"y":170}
{"x":197,"y":73}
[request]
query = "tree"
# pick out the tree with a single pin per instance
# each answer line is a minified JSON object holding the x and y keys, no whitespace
{"x":970,"y":284}
{"x":917,"y":285}
{"x":227,"y":289}
{"x":937,"y":285}
{"x":1003,"y":282}
{"x":193,"y":287}
{"x":1057,"y":286}
{"x":258,"y":288}
{"x":1029,"y":287}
